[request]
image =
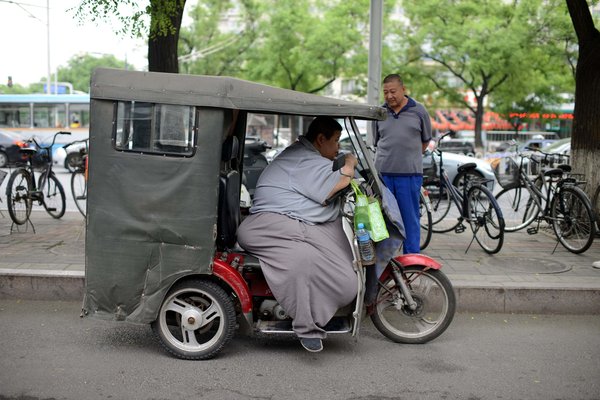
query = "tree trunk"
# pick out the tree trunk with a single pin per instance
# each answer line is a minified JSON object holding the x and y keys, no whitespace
{"x":162,"y":46}
{"x":585,"y":139}
{"x":478,"y":124}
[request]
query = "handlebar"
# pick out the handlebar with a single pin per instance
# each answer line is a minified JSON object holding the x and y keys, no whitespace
{"x":53,"y":140}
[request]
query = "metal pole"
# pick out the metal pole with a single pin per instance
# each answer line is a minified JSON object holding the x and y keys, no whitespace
{"x":48,"y":84}
{"x":374,"y":78}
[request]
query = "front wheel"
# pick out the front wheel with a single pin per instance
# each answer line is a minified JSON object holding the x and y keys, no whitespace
{"x":195,"y":321}
{"x":53,"y":195}
{"x":518,"y":207}
{"x":436,"y":305}
{"x":485,"y":219}
{"x":79,"y":190}
{"x":573,"y":219}
{"x":425,"y":222}
{"x":18,"y":196}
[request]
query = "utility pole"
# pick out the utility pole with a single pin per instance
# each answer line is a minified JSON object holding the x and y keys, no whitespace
{"x":48,"y":83}
{"x":374,"y":73}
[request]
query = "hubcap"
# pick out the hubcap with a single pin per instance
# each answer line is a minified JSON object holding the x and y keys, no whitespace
{"x":191,"y":319}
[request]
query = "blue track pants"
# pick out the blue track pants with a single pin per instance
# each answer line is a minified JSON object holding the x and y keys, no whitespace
{"x":407,"y":190}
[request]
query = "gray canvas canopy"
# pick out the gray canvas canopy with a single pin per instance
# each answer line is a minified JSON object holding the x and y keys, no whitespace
{"x":222,"y":92}
{"x":152,"y":217}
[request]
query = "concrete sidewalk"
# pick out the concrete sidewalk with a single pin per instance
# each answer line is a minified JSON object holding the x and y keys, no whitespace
{"x":526,"y":276}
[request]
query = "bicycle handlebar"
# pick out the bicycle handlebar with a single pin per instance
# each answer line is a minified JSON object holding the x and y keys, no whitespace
{"x":53,"y":140}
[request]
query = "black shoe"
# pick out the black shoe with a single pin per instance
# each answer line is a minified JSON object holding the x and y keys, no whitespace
{"x":314,"y":345}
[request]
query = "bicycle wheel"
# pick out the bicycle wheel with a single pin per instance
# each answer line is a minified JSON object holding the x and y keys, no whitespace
{"x":17,"y":196}
{"x":79,"y":190}
{"x":53,"y":195}
{"x":519,"y":208}
{"x":485,"y":219}
{"x":572,"y":219}
{"x":425,"y":223}
{"x":444,"y":217}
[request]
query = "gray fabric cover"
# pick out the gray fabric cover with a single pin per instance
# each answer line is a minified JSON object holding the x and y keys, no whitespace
{"x":308,"y":267}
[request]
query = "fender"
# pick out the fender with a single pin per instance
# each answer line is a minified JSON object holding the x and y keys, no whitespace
{"x":232,"y":277}
{"x":407,"y":260}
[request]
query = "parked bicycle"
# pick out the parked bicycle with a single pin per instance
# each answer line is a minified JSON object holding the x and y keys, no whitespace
{"x":554,"y":197}
{"x":23,"y":188}
{"x":475,"y":205}
{"x":79,"y":175}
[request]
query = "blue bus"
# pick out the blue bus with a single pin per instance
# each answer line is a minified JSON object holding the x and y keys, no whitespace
{"x":40,"y":111}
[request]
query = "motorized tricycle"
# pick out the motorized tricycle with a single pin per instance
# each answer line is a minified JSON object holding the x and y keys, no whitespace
{"x":163,"y":207}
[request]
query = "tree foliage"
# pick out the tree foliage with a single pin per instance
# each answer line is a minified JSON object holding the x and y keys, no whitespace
{"x":208,"y":49}
{"x":159,"y":20}
{"x":79,"y":69}
{"x":483,"y":47}
{"x":303,"y":45}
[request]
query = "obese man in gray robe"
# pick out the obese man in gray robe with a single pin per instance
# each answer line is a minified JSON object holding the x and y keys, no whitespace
{"x":302,"y":248}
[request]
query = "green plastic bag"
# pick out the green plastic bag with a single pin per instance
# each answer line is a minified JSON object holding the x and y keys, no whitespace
{"x":368,"y":212}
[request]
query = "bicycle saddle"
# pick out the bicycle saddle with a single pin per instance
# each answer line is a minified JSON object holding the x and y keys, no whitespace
{"x":27,"y":150}
{"x":554,"y":173}
{"x":467,"y":167}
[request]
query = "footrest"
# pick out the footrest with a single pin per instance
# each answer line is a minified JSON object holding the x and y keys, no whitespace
{"x":532,"y":231}
{"x":336,"y":325}
{"x":460,"y":228}
{"x":51,"y":208}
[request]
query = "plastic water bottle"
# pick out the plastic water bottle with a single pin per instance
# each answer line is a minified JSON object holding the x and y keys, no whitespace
{"x":365,"y":245}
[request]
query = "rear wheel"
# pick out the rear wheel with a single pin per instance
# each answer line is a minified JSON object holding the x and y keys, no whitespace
{"x":18,"y":196}
{"x":79,"y":190}
{"x":519,"y":208}
{"x":573,"y":219}
{"x":195,"y":321}
{"x":436,"y":305}
{"x":53,"y":195}
{"x":444,"y":215}
{"x":485,"y":219}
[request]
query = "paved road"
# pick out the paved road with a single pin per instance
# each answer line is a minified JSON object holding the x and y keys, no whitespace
{"x":48,"y":352}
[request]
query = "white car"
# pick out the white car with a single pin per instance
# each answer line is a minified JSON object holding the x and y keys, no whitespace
{"x":69,"y":157}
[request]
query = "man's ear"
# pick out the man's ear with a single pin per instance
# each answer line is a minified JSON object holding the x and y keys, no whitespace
{"x":321,"y":139}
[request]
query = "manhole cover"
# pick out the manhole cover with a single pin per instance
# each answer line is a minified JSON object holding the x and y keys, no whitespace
{"x":527,"y":265}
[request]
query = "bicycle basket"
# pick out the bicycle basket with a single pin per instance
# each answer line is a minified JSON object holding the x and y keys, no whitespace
{"x":507,"y":172}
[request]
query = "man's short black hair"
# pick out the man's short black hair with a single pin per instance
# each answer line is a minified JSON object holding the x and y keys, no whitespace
{"x":325,"y":125}
{"x":393,"y":77}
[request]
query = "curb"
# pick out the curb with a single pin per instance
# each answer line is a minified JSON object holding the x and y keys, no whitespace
{"x":18,"y":284}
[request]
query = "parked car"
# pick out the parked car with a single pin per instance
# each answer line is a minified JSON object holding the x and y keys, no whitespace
{"x":10,"y":143}
{"x":459,"y":146}
{"x":451,"y":163}
{"x":70,"y":157}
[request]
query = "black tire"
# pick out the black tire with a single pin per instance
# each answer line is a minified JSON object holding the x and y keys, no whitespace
{"x":436,"y":305}
{"x":3,"y":159}
{"x":53,"y":195}
{"x":573,"y":219}
{"x":188,"y":302}
{"x":459,"y":179}
{"x":425,"y":223}
{"x":518,"y":208}
{"x":444,"y":214}
{"x":79,"y":190}
{"x":18,"y":196}
{"x":485,"y":219}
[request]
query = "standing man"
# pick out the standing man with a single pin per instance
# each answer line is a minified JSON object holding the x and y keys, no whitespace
{"x":401,"y":141}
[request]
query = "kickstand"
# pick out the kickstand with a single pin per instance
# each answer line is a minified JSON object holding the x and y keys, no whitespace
{"x":470,"y":243}
{"x":18,"y":230}
{"x":557,"y":242}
